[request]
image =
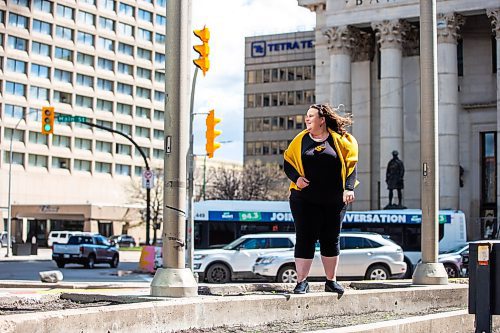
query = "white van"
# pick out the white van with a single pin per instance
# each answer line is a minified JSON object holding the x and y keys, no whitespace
{"x":61,"y":236}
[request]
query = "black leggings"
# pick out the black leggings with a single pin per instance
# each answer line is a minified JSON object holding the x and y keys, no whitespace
{"x":316,"y":221}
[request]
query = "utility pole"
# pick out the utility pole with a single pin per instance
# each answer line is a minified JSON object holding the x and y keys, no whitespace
{"x":429,"y":271}
{"x":174,"y":279}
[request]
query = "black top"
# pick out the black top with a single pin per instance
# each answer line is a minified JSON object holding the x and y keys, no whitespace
{"x":323,"y":170}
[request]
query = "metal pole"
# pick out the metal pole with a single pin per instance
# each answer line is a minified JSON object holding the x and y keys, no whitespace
{"x":174,"y":279}
{"x":190,"y":199}
{"x":148,"y":214}
{"x":429,"y":271}
{"x":9,"y":206}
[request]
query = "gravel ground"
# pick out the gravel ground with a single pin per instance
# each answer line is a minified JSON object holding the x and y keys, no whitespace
{"x":48,"y":304}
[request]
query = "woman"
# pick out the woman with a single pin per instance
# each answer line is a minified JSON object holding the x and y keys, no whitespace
{"x":321,"y":164}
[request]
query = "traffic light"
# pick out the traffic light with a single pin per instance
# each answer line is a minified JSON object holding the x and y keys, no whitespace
{"x":47,"y":120}
{"x":203,"y":50}
{"x":211,"y":133}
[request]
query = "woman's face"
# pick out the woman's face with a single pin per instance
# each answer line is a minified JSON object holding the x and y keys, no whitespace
{"x":313,"y":121}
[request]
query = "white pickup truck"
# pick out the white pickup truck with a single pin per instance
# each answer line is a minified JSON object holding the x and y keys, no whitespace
{"x":86,"y":250}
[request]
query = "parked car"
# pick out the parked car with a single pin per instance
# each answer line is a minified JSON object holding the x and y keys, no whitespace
{"x":123,"y":240}
{"x":86,"y":250}
{"x":61,"y":236}
{"x":236,"y":259}
{"x":453,"y":260}
{"x":363,"y":255}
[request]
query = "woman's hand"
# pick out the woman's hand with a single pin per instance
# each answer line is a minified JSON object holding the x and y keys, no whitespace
{"x":302,"y":182}
{"x":348,"y":196}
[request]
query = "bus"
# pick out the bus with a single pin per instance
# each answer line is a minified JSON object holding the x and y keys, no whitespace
{"x":218,"y":222}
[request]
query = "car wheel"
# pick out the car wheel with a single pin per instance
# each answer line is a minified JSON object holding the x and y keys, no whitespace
{"x":377,"y":272}
{"x":60,"y":263}
{"x":114,"y":262}
{"x":451,"y":270}
{"x":409,"y":269}
{"x":90,"y":262}
{"x":218,"y":273}
{"x":287,"y":274}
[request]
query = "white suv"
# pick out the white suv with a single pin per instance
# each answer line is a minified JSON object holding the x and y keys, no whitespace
{"x":61,"y":236}
{"x":236,"y":259}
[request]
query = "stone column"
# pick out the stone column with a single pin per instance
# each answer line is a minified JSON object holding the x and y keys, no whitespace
{"x":390,"y":37}
{"x":361,"y":111}
{"x":340,"y":43}
{"x":449,"y":164}
{"x":494,"y":15}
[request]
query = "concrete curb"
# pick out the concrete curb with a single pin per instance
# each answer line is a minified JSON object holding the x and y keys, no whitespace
{"x":169,"y":315}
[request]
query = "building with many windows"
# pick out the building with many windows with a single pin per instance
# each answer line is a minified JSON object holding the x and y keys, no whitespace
{"x":101,"y":59}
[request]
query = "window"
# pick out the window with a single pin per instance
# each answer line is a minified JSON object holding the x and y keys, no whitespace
{"x":86,"y":18}
{"x":143,"y":73}
{"x":103,"y":146}
{"x":83,"y":144}
{"x":144,"y":15}
{"x":85,"y":80}
{"x":158,"y":134}
{"x":105,"y":64}
{"x":161,"y":3}
{"x":84,"y":101}
{"x":143,"y":54}
{"x":62,"y":97}
{"x":124,"y":109}
{"x":126,"y":49}
{"x":16,"y":135}
{"x":104,"y":123}
{"x":64,"y":33}
{"x":158,"y":153}
{"x":88,"y":2}
{"x":18,"y":21}
{"x":105,"y":85}
{"x":159,"y":38}
{"x":38,"y":138}
{"x":107,"y":24}
{"x":161,"y":20}
{"x":81,"y":165}
{"x":64,"y":54}
{"x":160,"y":58}
{"x":17,"y":158}
{"x":61,"y":141}
{"x":16,"y":66}
{"x":85,"y":39}
{"x":145,"y":150}
{"x":159,"y":115}
{"x":106,"y":44}
{"x":18,"y":43}
{"x":143,"y":92}
{"x":42,"y":6}
{"x":102,"y":167}
{"x":141,"y":112}
{"x":85,"y":59}
{"x":125,"y":30}
{"x":107,"y":5}
{"x":60,"y":163}
{"x":460,"y":57}
{"x":14,"y":111}
{"x":43,"y":28}
{"x":63,"y":76}
{"x":142,"y":132}
{"x":40,"y":49}
{"x":124,"y":88}
{"x":122,"y":169}
{"x":160,"y":77}
{"x":23,"y":3}
{"x":15,"y":88}
{"x":65,"y":12}
{"x":125,"y":69}
{"x":126,"y":10}
{"x":280,"y":243}
{"x":103,"y":105}
{"x":122,"y":149}
{"x":39,"y":93}
{"x":144,"y":35}
{"x":124,"y":128}
{"x":159,"y":96}
{"x":488,"y":167}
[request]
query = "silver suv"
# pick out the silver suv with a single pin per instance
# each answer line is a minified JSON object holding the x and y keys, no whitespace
{"x":363,"y":255}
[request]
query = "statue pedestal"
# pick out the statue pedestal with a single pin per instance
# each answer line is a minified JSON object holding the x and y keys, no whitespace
{"x":394,"y":206}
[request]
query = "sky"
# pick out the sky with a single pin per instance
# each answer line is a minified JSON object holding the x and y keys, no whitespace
{"x":230,"y":21}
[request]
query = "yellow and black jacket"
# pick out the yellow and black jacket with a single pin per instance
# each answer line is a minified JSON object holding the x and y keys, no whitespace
{"x":345,"y":145}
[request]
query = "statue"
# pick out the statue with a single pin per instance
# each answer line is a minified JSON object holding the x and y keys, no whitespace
{"x":394,"y":179}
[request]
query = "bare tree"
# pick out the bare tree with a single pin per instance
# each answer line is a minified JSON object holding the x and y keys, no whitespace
{"x":224,"y":185}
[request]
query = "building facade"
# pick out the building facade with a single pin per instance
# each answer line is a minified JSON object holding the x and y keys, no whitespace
{"x":279,"y":87}
{"x":367,"y":58}
{"x":101,"y":59}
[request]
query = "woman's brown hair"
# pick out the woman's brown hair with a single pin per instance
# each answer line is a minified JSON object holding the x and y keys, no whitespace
{"x":334,"y":121}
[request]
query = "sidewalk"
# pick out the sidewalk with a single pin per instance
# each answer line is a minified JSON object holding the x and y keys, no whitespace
{"x":46,"y":254}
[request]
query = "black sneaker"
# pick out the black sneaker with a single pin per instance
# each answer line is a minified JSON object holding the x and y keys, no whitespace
{"x":301,"y":287}
{"x":334,"y":287}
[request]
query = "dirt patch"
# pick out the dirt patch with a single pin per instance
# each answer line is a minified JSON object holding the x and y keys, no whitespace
{"x":46,"y":304}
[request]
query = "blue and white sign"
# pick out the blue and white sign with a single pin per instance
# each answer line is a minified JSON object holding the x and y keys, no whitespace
{"x":262,"y":48}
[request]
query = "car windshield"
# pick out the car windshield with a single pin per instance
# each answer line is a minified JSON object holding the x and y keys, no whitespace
{"x":454,"y":249}
{"x":234,"y":244}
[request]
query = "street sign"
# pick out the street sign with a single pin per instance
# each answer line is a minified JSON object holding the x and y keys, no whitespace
{"x":148,"y":179}
{"x":63,"y":118}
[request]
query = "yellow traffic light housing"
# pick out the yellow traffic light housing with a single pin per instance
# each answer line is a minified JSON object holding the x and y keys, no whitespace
{"x":211,"y":134}
{"x":47,"y":120}
{"x":203,"y":50}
